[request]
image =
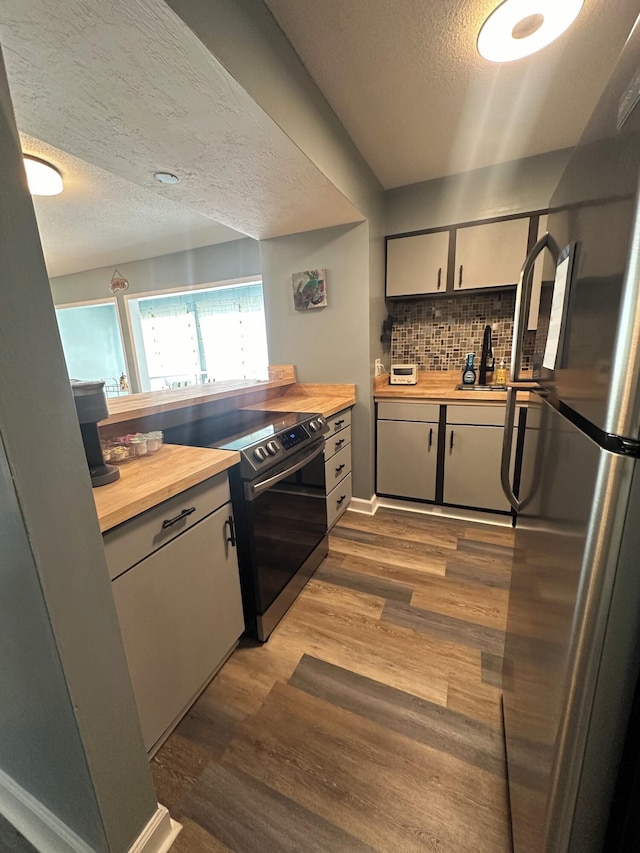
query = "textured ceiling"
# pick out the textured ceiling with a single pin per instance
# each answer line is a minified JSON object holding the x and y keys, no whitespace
{"x":101,"y":219}
{"x":405,"y":79}
{"x":126,"y":87}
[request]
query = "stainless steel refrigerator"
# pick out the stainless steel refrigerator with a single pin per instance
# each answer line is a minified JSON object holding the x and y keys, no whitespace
{"x":572,"y":650}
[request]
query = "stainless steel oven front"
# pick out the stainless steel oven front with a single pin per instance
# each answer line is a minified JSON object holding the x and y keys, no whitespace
{"x":281,"y":523}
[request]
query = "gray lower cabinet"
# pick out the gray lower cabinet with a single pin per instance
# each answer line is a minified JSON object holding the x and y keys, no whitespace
{"x":407,"y":449}
{"x":472,"y":467}
{"x":408,"y":454}
{"x":180,"y":614}
{"x":407,"y":459}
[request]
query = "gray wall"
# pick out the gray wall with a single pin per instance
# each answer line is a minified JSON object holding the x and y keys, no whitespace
{"x":70,"y":734}
{"x":509,"y":188}
{"x":327,"y":344}
{"x":220,"y":262}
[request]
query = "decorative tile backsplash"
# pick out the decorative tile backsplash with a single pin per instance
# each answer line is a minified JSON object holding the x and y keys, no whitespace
{"x":437,"y":333}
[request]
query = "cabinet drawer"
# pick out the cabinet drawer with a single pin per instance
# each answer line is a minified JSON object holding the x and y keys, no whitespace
{"x":337,"y":468}
{"x":336,"y":442}
{"x":429,"y":412}
{"x":338,"y":500}
{"x":476,"y":415}
{"x":134,"y":540}
{"x":339,"y":421}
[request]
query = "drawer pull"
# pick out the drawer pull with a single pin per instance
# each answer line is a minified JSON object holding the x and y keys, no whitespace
{"x":338,"y":424}
{"x":231,"y":538}
{"x":339,"y":443}
{"x":339,"y":468}
{"x":340,"y":499}
{"x":169,"y":522}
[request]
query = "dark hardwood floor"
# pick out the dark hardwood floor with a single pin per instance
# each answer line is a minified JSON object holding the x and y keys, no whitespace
{"x":371,"y":719}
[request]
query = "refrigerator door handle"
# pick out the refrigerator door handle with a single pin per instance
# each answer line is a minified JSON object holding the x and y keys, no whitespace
{"x":523,"y":300}
{"x":523,"y":306}
{"x":507,"y":445}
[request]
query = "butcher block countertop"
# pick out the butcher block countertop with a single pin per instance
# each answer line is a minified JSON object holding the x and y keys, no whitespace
{"x":148,"y":481}
{"x":134,"y":406}
{"x":324,"y":399}
{"x":438,"y":386}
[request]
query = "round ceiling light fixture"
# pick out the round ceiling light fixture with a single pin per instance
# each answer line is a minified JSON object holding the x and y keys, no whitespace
{"x":42,"y":177}
{"x":166,"y":177}
{"x":519,"y":28}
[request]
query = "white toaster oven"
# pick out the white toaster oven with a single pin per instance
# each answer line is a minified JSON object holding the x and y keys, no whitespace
{"x":403,"y":374}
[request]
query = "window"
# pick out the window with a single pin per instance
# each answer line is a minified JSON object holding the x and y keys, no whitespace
{"x":92,"y":343}
{"x":206,"y":334}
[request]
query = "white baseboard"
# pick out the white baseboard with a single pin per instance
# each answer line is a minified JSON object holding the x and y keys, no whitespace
{"x":47,"y":833}
{"x":455,"y":513}
{"x":368,"y":507}
{"x":158,"y":835}
{"x":40,"y":827}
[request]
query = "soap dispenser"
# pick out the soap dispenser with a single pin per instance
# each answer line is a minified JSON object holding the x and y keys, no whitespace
{"x":469,"y":371}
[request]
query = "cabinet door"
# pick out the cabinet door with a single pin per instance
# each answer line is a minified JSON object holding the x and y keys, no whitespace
{"x":417,"y":264}
{"x":407,"y":459}
{"x":490,"y":255}
{"x":180,"y":614}
{"x":472,"y":467}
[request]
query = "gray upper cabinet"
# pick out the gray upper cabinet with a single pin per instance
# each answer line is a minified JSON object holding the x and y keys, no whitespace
{"x":490,"y":255}
{"x":417,"y":264}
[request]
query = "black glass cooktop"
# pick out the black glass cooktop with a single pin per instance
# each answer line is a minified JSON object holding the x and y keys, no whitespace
{"x":234,"y":430}
{"x":261,"y":429}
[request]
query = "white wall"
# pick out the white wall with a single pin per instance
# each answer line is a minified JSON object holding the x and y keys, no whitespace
{"x":69,"y":730}
{"x":509,"y":188}
{"x":247,"y":40}
{"x":327,"y":344}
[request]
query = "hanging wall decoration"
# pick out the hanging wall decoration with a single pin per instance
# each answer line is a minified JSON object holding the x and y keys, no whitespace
{"x":309,"y":289}
{"x":118,"y":282}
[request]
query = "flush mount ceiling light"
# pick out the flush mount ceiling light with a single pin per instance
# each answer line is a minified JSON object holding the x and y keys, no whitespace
{"x":166,"y":177}
{"x":42,"y":177}
{"x":519,"y":28}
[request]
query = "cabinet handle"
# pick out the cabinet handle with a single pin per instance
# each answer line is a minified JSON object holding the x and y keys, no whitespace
{"x":439,"y":277}
{"x":451,"y":441}
{"x":231,"y":538}
{"x":460,"y":276}
{"x":169,"y":522}
{"x":430,"y":438}
{"x":339,"y":468}
{"x":339,"y":443}
{"x":340,"y":499}
{"x":338,"y":424}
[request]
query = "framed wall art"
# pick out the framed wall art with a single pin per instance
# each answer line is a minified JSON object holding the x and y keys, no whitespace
{"x":309,"y":289}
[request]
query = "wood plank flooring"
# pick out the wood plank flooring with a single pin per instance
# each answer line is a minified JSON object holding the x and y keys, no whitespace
{"x":371,"y":719}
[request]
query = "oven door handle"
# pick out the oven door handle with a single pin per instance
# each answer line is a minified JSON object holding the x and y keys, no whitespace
{"x":254,"y":490}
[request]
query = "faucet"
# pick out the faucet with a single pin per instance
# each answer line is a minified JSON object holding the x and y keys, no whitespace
{"x":487,"y":361}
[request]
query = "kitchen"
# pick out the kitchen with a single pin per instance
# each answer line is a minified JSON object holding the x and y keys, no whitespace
{"x":320,"y":356}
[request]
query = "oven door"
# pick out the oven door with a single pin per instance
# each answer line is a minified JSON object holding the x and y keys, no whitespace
{"x":287,"y":525}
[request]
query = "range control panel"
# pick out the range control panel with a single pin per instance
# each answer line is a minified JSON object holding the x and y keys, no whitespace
{"x":292,"y":437}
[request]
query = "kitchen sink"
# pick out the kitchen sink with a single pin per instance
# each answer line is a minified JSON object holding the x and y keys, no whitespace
{"x":481,"y":387}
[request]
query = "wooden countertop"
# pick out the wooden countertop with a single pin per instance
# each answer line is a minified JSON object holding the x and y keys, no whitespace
{"x":134,"y":406}
{"x":148,"y":481}
{"x":327,"y":400}
{"x":438,"y":386}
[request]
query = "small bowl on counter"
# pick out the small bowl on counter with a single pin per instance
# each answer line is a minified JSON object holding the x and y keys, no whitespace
{"x":133,"y":446}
